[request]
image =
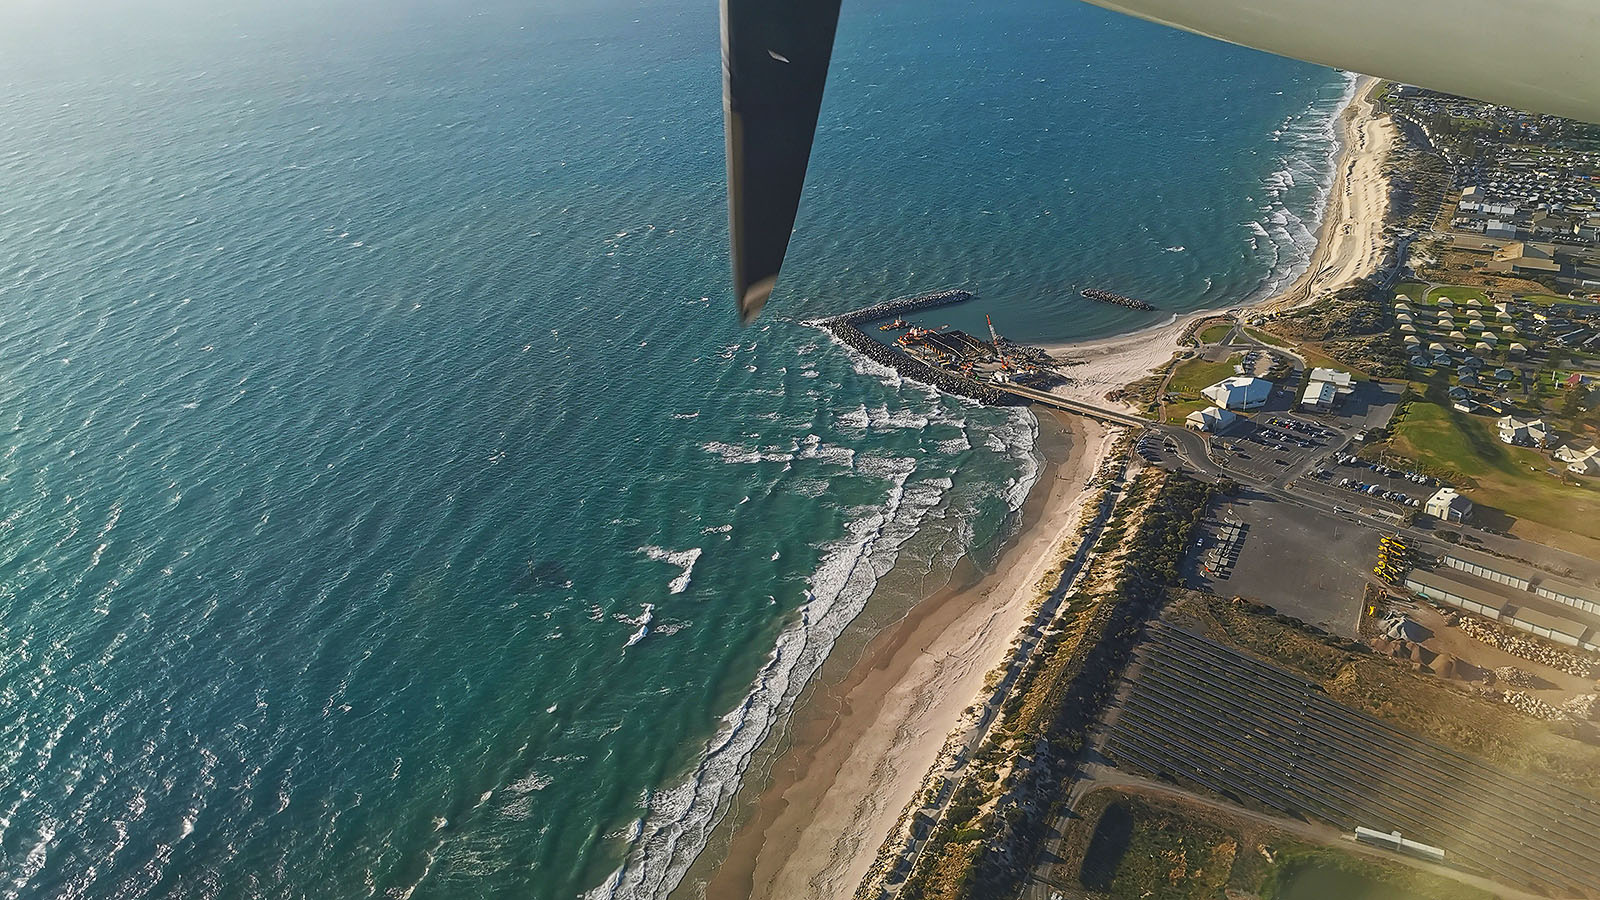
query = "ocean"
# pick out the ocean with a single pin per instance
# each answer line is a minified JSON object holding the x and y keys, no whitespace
{"x":390,"y":504}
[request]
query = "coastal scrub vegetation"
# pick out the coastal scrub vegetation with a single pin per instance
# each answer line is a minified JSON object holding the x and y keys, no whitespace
{"x":1127,"y":845}
{"x":1351,"y":329}
{"x":999,"y":816}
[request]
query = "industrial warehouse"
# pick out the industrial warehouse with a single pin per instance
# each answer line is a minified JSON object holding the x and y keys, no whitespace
{"x":1514,"y":595}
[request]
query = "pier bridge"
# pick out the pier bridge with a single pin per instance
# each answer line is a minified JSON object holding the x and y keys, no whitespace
{"x":1100,"y":413}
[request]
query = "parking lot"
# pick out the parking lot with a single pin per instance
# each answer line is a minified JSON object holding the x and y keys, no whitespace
{"x":1302,"y":562}
{"x":1365,"y":484}
{"x":1271,"y":446}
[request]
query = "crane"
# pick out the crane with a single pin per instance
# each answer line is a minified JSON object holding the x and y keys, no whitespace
{"x":992,"y":336}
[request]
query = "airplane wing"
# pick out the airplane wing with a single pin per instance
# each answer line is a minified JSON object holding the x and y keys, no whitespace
{"x":774,"y":62}
{"x":1538,"y":55}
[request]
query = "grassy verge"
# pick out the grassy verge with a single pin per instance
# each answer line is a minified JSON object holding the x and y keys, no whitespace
{"x":1266,"y":338}
{"x":1466,"y":450}
{"x":1211,"y":334}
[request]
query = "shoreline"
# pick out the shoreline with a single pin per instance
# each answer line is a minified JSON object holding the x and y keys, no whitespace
{"x":861,"y":740}
{"x":1350,"y":244}
{"x":860,"y":744}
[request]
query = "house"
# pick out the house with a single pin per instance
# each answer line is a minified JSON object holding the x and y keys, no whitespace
{"x":1589,"y":465}
{"x":1524,"y":432}
{"x":1212,"y":419}
{"x":1239,"y":392}
{"x":1469,"y":380}
{"x":1342,"y":381}
{"x":1516,"y":350}
{"x":1544,"y":224}
{"x":1575,"y":380}
{"x":1458,"y":393}
{"x":1580,"y":460}
{"x":1448,"y":506}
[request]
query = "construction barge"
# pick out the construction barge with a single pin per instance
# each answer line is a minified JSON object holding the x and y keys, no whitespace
{"x":846,"y":328}
{"x":1101,"y":296}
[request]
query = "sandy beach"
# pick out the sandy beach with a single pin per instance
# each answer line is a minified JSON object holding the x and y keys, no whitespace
{"x":1350,"y":245}
{"x":858,"y":748}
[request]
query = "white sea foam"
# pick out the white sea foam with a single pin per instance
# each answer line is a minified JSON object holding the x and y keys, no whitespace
{"x":683,"y":558}
{"x":680,"y":818}
{"x":734,"y":454}
{"x":1284,"y":236}
{"x":644,"y":626}
{"x":812,"y":447}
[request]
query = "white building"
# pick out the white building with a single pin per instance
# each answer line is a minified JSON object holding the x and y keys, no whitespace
{"x":1318,"y":396}
{"x":1324,"y":389}
{"x":1524,"y":432}
{"x":1580,"y":460}
{"x":1239,"y":392}
{"x":1448,"y":506}
{"x":1212,"y":419}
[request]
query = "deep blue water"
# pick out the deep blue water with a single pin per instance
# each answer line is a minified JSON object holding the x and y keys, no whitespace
{"x":368,"y":382}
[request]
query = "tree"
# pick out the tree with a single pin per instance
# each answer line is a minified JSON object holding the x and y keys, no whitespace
{"x":1572,"y":407}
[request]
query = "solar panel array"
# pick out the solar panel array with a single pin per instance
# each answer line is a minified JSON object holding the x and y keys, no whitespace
{"x":1207,"y":714}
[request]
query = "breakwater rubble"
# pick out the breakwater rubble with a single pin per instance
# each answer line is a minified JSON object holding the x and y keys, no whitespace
{"x":1115,"y":299}
{"x":846,"y":327}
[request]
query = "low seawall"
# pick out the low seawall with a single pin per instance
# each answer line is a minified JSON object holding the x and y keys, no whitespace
{"x":844,"y":327}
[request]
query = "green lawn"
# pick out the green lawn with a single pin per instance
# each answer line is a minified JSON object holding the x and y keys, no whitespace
{"x":1211,"y":334}
{"x":1456,"y":292}
{"x":1468,"y":451}
{"x":1193,"y":374}
{"x":1266,"y":338}
{"x":1189,"y":378}
{"x":1414,"y":290}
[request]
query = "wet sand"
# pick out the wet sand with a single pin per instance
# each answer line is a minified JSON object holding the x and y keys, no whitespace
{"x":860,"y":744}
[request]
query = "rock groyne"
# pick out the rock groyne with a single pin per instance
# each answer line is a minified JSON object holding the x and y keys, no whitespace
{"x":846,"y":328}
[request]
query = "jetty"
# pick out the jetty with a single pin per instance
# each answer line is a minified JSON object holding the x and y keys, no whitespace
{"x":1101,"y":296}
{"x":846,"y":327}
{"x":1076,"y":407}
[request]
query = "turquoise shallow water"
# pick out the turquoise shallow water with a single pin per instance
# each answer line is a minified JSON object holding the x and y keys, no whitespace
{"x":389,"y":504}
